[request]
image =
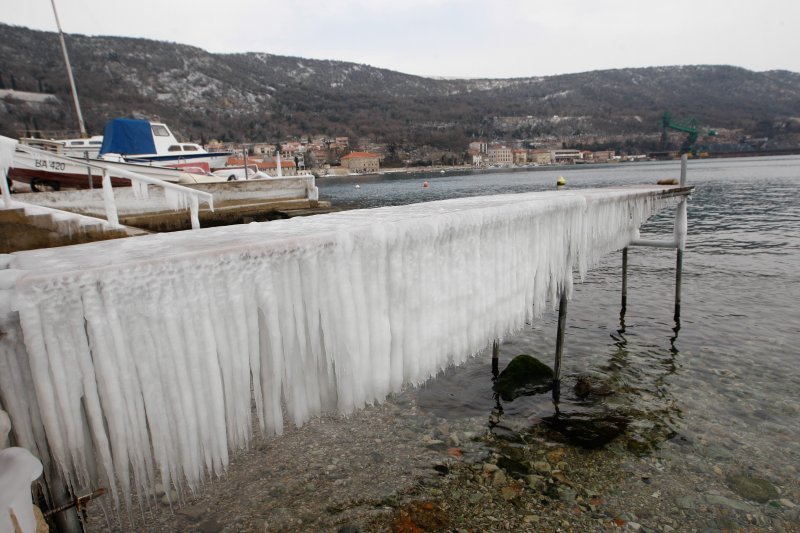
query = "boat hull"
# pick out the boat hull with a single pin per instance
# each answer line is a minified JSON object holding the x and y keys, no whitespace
{"x":41,"y":171}
{"x":44,"y":179}
{"x":213,"y":160}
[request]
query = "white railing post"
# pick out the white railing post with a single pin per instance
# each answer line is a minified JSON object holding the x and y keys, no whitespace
{"x":194,"y":209}
{"x":135,"y":178}
{"x":684,"y":159}
{"x":108,"y":199}
{"x":4,"y":188}
{"x":7,"y":148}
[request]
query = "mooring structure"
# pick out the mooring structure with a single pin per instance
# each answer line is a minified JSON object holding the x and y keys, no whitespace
{"x":678,"y":243}
{"x":136,"y":361}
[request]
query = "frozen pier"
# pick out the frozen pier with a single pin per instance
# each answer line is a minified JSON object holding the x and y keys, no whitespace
{"x":129,"y":362}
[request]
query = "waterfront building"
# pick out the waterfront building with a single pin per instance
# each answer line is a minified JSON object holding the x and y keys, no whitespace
{"x":288,"y":168}
{"x":565,"y":156}
{"x":604,"y":156}
{"x":263,"y":149}
{"x":540,"y":157}
{"x":499,"y":155}
{"x":480,"y":147}
{"x":361,"y":162}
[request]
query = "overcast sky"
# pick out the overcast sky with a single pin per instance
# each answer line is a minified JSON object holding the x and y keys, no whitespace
{"x":453,"y":38}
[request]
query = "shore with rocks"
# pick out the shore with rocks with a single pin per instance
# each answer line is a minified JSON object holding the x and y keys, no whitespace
{"x":397,"y":467}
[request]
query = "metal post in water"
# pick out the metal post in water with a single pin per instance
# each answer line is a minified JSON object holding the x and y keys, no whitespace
{"x":495,"y":357}
{"x":680,"y":231}
{"x":66,"y":519}
{"x":624,"y":279}
{"x":678,"y":272}
{"x":562,"y":324}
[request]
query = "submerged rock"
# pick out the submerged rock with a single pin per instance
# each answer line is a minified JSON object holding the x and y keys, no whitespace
{"x":513,"y":466}
{"x":587,"y":385}
{"x":752,"y":488}
{"x":524,"y":376}
{"x":587,"y":431}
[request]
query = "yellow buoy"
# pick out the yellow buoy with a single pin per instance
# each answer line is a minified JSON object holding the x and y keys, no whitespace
{"x":561,"y":181}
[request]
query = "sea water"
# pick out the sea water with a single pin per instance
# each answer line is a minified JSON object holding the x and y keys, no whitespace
{"x":720,"y":384}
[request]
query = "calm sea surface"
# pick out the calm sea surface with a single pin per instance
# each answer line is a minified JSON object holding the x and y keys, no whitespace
{"x":723,"y":384}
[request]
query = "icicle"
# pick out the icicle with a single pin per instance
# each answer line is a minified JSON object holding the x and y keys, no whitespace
{"x":142,"y":357}
{"x":141,"y":190}
{"x":176,"y":200}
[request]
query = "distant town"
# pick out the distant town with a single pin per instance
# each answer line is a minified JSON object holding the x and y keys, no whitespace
{"x":336,"y":157}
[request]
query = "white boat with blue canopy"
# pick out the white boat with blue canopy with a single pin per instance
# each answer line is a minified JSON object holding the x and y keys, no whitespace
{"x":142,"y":141}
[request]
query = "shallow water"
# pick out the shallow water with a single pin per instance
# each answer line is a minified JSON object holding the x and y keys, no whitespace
{"x":722,"y":383}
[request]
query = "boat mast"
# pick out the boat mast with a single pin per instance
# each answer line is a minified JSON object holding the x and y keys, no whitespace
{"x":69,"y":73}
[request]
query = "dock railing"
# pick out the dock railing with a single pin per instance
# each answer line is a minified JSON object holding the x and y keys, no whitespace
{"x":178,"y":196}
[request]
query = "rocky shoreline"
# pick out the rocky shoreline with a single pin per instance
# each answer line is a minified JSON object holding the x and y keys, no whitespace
{"x":396,"y":467}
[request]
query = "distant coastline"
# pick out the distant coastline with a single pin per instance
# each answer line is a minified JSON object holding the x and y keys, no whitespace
{"x":469,"y":169}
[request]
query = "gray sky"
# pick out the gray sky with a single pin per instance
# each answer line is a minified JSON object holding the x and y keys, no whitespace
{"x":453,"y":38}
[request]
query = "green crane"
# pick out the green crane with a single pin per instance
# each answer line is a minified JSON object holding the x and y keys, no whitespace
{"x":690,"y":127}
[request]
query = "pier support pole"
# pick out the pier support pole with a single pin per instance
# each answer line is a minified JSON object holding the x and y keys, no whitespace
{"x":495,"y":357}
{"x":624,"y":279}
{"x":681,"y":229}
{"x":678,"y":272}
{"x":562,"y":324}
{"x":66,"y":520}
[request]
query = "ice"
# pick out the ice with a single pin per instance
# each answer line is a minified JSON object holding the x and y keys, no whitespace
{"x":138,"y":360}
{"x":18,"y":469}
{"x":7,"y":148}
{"x":5,"y":428}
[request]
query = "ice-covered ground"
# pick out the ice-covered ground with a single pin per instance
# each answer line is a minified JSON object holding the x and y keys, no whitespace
{"x":143,"y":356}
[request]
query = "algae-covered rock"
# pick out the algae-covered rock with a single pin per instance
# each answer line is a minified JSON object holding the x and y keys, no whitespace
{"x":588,"y":430}
{"x":524,"y":375}
{"x":752,"y":488}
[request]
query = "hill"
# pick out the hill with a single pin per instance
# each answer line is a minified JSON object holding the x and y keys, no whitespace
{"x":261,"y":97}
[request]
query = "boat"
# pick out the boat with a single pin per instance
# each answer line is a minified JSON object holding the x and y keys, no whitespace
{"x":76,"y":163}
{"x":76,"y":147}
{"x":52,"y":170}
{"x":142,"y":141}
{"x":133,"y":145}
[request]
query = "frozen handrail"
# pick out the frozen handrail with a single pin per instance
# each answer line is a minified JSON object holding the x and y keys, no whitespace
{"x":147,"y":355}
{"x":681,"y":225}
{"x":179,"y":196}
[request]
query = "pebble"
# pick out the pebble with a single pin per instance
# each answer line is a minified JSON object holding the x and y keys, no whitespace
{"x":171,"y":498}
{"x":510,"y":492}
{"x":716,"y":499}
{"x":489,"y":468}
{"x":542,"y":466}
{"x":687,"y":502}
{"x":534,"y":481}
{"x":499,"y":479}
{"x":194,"y":512}
{"x":787,"y":503}
{"x":530,"y":519}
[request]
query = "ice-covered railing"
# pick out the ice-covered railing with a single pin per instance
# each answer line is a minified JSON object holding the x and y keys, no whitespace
{"x":177,"y":196}
{"x":138,"y":360}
